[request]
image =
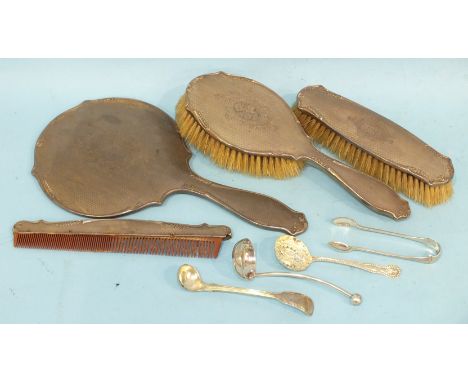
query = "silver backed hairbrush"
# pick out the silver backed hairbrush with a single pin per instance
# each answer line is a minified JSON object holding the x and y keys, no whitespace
{"x":375,"y":145}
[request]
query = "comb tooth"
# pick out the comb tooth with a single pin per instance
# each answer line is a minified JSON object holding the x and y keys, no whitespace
{"x":178,"y":246}
{"x":111,"y":244}
{"x":153,"y":247}
{"x":180,"y":243}
{"x":210,"y":249}
{"x":187,"y":248}
{"x":172,"y":246}
{"x":148,"y":246}
{"x":124,"y":244}
{"x":136,"y":244}
{"x":193,"y":249}
{"x":197,"y":248}
{"x":190,"y":247}
{"x":119,"y":244}
{"x":142,"y":245}
{"x":201,"y":248}
{"x":160,"y":246}
{"x":132,"y":244}
{"x":217,"y":247}
{"x":203,"y":254}
{"x":207,"y":248}
{"x":99,"y":241}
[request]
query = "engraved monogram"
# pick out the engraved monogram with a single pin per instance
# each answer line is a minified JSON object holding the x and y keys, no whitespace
{"x":248,"y":112}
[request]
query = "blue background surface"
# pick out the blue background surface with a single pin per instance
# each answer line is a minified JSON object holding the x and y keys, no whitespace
{"x":428,"y":97}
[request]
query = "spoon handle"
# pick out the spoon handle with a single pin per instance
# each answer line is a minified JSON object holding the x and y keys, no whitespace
{"x":296,"y":300}
{"x":392,"y":271}
{"x":304,"y":277}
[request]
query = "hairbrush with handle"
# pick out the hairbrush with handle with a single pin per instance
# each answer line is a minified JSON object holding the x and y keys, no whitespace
{"x":245,"y":126}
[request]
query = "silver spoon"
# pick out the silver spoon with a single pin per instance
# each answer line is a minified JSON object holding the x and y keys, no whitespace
{"x":294,"y":255}
{"x":244,"y":261}
{"x":191,"y":280}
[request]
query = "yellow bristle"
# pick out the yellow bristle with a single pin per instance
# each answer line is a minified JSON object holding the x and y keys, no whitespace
{"x":400,"y":181}
{"x":271,"y":166}
{"x":245,"y":162}
{"x":232,"y":159}
{"x":278,"y":169}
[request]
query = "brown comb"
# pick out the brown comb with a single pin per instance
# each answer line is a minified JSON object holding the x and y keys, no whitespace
{"x":123,"y":236}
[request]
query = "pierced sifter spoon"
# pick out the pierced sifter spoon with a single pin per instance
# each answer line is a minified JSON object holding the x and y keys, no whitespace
{"x":294,"y":255}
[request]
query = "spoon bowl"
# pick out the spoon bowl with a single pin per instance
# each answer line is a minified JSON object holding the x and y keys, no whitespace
{"x":294,"y":254}
{"x":189,"y":278}
{"x":340,"y":246}
{"x":243,"y":259}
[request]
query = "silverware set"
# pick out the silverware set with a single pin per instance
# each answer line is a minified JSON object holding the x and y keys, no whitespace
{"x":294,"y":255}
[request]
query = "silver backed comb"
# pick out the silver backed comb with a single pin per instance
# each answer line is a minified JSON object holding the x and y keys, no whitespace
{"x":429,"y":243}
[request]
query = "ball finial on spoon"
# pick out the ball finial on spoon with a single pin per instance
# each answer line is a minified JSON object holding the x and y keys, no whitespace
{"x":244,"y":261}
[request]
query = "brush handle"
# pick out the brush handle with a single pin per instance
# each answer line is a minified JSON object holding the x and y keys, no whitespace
{"x":372,"y":192}
{"x":256,"y":208}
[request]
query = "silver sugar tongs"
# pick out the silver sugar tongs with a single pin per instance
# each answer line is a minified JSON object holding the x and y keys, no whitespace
{"x":431,"y":244}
